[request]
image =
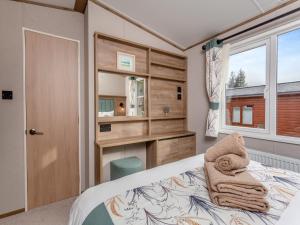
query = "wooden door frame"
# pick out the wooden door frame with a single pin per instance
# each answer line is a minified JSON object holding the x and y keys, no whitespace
{"x":24,"y":29}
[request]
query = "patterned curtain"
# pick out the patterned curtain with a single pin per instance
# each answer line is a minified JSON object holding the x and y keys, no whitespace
{"x":217,"y":57}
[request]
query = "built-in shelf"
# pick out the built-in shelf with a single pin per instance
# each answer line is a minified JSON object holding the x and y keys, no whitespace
{"x":167,"y":78}
{"x":160,"y":51}
{"x":168,"y":117}
{"x":164,"y":136}
{"x":119,"y":40}
{"x":168,"y":65}
{"x":119,"y":96}
{"x":121,"y":72}
{"x":113,"y":119}
{"x":128,"y":73}
{"x":165,"y":73}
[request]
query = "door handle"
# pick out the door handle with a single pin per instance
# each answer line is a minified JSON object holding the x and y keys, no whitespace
{"x":34,"y":132}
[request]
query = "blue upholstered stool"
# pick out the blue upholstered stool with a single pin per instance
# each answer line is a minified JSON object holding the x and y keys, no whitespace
{"x":122,"y":167}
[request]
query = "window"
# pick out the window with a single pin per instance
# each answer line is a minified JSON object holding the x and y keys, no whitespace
{"x":236,"y":115}
{"x":248,"y":115}
{"x":262,"y":92}
{"x":288,"y":84}
{"x":246,"y":85}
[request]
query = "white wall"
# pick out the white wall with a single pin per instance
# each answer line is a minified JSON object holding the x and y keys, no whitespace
{"x":198,"y":102}
{"x":101,"y":20}
{"x":14,"y":16}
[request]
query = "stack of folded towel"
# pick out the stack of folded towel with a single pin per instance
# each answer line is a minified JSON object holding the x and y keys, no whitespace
{"x":229,"y":183}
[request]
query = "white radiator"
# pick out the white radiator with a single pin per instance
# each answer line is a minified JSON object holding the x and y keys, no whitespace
{"x":276,"y":161}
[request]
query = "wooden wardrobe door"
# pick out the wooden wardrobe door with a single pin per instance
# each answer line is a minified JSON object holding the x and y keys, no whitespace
{"x":52,"y":139}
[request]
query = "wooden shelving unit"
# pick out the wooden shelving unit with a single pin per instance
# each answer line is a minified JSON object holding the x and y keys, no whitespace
{"x":166,"y":84}
{"x":124,"y":73}
{"x":168,"y":65}
{"x":168,"y":117}
{"x":116,"y":119}
{"x":164,"y":69}
{"x":145,"y":75}
{"x":166,"y":78}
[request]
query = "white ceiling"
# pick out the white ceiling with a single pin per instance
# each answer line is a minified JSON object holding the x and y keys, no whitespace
{"x":186,"y":22}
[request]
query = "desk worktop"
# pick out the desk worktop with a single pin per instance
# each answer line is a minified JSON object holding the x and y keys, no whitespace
{"x":140,"y":139}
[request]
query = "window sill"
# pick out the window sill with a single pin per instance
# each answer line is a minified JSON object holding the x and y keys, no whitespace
{"x":263,"y":136}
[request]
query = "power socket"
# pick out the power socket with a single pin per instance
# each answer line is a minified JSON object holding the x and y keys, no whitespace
{"x":105,"y":127}
{"x":7,"y":95}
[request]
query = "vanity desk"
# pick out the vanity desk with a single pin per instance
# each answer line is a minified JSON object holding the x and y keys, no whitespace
{"x":160,"y":149}
{"x":140,"y":97}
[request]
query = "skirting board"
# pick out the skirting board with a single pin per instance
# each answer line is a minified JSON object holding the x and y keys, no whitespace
{"x":12,"y":213}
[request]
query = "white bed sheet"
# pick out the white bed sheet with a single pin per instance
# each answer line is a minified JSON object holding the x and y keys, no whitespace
{"x":92,"y":197}
{"x":291,"y":215}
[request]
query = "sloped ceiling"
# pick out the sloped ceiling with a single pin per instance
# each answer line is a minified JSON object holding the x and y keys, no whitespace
{"x":187,"y":21}
{"x":183,"y":22}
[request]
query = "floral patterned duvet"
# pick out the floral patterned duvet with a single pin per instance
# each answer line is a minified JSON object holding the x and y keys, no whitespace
{"x":183,"y":200}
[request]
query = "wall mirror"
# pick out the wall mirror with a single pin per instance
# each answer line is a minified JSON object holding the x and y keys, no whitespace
{"x":120,"y":95}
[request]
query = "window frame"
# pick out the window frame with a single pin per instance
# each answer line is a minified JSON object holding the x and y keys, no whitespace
{"x":241,"y":116}
{"x":270,"y":39}
{"x":234,"y":122}
{"x":239,"y":48}
{"x":252,"y":113}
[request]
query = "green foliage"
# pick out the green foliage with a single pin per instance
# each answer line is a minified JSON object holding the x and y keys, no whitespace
{"x":237,"y":81}
{"x":231,"y":82}
{"x":240,"y":80}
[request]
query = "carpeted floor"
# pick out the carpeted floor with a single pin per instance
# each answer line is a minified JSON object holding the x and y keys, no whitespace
{"x":53,"y":214}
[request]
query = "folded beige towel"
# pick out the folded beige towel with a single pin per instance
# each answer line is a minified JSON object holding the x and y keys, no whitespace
{"x":242,"y":184}
{"x":231,"y":144}
{"x":232,"y":164}
{"x":229,"y":154}
{"x":231,"y":200}
{"x":240,"y":191}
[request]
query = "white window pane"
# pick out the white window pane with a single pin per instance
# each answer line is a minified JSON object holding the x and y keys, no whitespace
{"x":288,"y":84}
{"x":289,"y":57}
{"x":246,"y":84}
{"x":236,"y":115}
{"x":247,"y":115}
{"x":252,"y":64}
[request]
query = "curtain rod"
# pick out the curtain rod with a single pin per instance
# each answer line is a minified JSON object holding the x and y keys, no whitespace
{"x":219,"y":41}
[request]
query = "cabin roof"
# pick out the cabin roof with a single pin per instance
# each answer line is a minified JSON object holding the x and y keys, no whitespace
{"x":282,"y":88}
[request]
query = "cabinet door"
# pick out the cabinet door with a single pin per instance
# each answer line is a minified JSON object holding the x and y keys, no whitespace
{"x":175,"y":149}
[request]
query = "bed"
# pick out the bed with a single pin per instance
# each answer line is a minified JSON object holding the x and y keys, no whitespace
{"x":176,"y":194}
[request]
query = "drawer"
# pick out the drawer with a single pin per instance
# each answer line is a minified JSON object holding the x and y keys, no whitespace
{"x":171,"y":150}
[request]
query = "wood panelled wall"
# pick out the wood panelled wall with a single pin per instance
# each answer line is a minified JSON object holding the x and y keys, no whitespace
{"x":164,"y":72}
{"x":288,"y":116}
{"x":258,"y":104}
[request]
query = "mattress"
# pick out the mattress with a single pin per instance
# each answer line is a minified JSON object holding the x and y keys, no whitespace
{"x":176,"y":194}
